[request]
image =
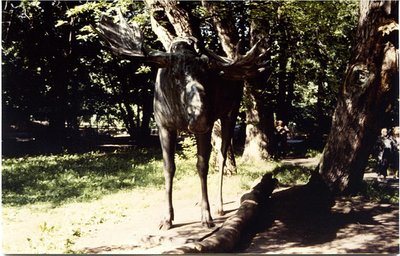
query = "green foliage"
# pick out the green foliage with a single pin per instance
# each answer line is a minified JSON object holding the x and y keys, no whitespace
{"x":55,"y":68}
{"x":379,"y":192}
{"x":189,"y":148}
{"x":310,"y":44}
{"x":61,"y":178}
{"x":251,"y":171}
{"x":311,"y":153}
{"x":290,"y":175}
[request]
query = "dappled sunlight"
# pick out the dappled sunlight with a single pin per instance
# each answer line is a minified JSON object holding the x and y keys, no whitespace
{"x":354,"y":225}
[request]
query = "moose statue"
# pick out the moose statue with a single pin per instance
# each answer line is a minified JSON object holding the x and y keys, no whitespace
{"x":194,"y":88}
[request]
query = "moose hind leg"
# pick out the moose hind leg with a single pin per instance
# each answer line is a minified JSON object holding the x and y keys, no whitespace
{"x":168,"y":140}
{"x":227,"y":127}
{"x":203,"y":156}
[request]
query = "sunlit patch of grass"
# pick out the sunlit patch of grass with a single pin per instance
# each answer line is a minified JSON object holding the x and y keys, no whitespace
{"x":41,"y":228}
{"x":251,"y":171}
{"x":61,"y":178}
{"x":290,"y":175}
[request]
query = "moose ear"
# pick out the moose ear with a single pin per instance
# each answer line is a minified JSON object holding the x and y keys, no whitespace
{"x":127,"y":40}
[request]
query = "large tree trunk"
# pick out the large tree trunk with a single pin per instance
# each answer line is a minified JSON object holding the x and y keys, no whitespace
{"x":259,"y":125}
{"x":260,"y":140}
{"x":224,"y":24}
{"x":282,"y":106}
{"x":365,"y":97}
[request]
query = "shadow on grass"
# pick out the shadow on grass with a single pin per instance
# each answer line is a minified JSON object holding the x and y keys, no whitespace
{"x":57,"y":179}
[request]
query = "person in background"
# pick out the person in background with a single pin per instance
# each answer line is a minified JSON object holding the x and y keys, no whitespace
{"x":395,"y":146}
{"x":281,"y":132}
{"x":384,"y":148}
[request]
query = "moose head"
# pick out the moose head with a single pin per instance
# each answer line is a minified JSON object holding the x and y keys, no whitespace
{"x":194,"y":87}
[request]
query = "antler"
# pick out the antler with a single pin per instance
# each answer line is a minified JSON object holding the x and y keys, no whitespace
{"x":127,"y":40}
{"x":243,"y":66}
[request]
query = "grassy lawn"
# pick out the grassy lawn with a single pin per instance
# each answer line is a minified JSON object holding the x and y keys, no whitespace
{"x":51,"y":201}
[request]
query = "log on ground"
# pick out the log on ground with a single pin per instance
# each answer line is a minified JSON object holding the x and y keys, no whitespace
{"x":227,"y":237}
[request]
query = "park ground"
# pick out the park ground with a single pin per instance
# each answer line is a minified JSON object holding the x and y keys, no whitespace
{"x":126,"y":220}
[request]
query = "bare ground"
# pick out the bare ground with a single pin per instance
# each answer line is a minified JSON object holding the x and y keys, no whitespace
{"x":353,"y":225}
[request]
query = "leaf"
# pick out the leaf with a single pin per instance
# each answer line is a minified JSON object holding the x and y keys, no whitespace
{"x":60,"y":23}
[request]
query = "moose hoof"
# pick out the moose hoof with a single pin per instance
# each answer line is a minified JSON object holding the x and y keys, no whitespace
{"x":220,"y":212}
{"x":165,"y":225}
{"x":208,"y":224}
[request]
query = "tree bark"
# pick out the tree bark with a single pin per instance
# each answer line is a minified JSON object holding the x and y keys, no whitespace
{"x":223,"y":23}
{"x":282,"y":106}
{"x":257,"y":119}
{"x":364,"y":98}
{"x":260,"y":140}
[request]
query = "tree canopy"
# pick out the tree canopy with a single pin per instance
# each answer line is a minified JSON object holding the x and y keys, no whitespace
{"x":55,"y":69}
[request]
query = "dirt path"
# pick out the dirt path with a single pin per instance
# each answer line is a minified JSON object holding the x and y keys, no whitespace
{"x":353,"y":226}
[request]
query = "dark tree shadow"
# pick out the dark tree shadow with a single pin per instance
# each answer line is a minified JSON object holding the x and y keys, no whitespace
{"x":308,"y":216}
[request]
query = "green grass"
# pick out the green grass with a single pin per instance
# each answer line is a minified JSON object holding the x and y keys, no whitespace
{"x":59,"y":179}
{"x":41,"y":228}
{"x":290,"y":175}
{"x":378,"y":192}
{"x":63,"y":178}
{"x":50,"y":202}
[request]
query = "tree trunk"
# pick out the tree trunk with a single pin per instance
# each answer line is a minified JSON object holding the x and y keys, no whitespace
{"x":223,"y":23}
{"x":170,"y":19}
{"x":318,"y":131}
{"x":364,"y":98}
{"x":282,"y":109}
{"x":260,"y":140}
{"x":59,"y":92}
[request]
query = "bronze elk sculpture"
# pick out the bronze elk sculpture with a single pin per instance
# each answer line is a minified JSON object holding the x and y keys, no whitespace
{"x":194,"y":87}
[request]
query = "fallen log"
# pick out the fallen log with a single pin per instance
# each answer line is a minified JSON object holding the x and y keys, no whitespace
{"x":227,"y":237}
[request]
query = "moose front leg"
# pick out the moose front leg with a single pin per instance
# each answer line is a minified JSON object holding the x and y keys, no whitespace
{"x":168,"y":140}
{"x":203,"y":156}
